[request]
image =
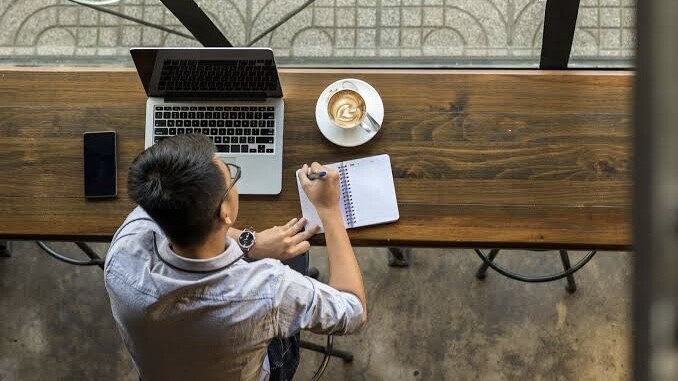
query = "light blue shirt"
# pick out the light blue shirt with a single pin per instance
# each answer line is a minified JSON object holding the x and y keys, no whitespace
{"x":190,"y":319}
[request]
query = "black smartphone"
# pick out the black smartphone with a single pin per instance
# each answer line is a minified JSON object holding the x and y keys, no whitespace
{"x":101,"y":162}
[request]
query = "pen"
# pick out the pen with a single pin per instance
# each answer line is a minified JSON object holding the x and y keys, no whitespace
{"x":317,"y":175}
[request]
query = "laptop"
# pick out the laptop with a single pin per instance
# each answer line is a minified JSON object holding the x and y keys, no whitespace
{"x":231,"y":95}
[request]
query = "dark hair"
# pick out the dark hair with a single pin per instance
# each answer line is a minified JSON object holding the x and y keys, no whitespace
{"x":176,"y":182}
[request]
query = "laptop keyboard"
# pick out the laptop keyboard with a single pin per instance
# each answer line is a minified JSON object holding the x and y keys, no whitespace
{"x":233,"y":129}
{"x":215,"y":75}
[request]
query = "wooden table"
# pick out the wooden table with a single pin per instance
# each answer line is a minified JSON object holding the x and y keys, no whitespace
{"x":480,"y":158}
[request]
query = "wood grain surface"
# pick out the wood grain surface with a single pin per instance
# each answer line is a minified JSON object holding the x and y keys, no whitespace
{"x":480,"y":158}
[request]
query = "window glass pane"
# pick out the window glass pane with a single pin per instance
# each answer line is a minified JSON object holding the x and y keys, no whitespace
{"x":60,"y":31}
{"x":411,"y":33}
{"x":504,"y":33}
{"x":605,"y":35}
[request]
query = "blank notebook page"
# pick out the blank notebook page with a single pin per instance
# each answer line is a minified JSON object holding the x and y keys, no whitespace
{"x":367,"y":195}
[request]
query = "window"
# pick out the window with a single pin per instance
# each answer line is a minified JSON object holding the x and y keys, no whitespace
{"x":382,"y":33}
{"x":605,"y":35}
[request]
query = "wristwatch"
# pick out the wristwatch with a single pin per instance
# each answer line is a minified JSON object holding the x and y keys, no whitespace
{"x":246,"y":240}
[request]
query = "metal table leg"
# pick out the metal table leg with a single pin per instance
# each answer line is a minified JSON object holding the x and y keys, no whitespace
{"x":571,"y":285}
{"x":482,"y":271}
{"x":568,"y":272}
{"x":94,"y":260}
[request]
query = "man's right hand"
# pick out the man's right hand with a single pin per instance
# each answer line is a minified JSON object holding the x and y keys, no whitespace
{"x":323,"y":192}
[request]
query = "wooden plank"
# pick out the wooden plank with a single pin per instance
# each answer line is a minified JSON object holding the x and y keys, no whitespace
{"x":416,"y":90}
{"x":526,"y":92}
{"x":503,"y":226}
{"x":425,"y":225}
{"x":475,"y":161}
{"x":547,"y":147}
{"x":465,"y":171}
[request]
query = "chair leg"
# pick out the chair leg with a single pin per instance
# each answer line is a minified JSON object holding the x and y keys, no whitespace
{"x":482,"y":271}
{"x":344,"y":355}
{"x":5,"y":249}
{"x":90,"y":253}
{"x":571,"y":285}
{"x":398,"y":257}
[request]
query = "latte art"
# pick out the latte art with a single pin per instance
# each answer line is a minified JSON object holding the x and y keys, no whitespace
{"x":347,"y":113}
{"x":346,"y":108}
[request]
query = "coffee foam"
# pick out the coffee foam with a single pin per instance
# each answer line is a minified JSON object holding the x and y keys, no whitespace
{"x":346,"y":108}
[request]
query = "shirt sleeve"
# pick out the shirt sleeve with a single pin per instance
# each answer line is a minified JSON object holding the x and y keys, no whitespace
{"x":304,"y":303}
{"x":137,"y":220}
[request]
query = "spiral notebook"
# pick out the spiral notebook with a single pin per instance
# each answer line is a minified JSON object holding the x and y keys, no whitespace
{"x":367,"y":194}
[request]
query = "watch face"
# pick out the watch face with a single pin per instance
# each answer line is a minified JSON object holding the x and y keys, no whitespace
{"x":246,"y":239}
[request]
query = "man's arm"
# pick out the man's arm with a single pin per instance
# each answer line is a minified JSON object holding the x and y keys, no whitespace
{"x":280,"y":242}
{"x":304,"y":303}
{"x":343,"y":267}
{"x":344,"y":271}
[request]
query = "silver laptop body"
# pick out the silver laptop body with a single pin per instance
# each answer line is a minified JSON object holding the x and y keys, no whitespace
{"x":232,"y":95}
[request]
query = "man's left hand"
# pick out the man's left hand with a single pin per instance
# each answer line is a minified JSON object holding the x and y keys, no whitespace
{"x":283,"y":242}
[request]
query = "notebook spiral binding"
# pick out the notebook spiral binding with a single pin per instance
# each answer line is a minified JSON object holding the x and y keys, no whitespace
{"x":347,"y":196}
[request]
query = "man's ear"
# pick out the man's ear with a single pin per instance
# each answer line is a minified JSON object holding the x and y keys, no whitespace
{"x":225,"y":213}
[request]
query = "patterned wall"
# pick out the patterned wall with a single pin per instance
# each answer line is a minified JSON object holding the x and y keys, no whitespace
{"x":433,"y":31}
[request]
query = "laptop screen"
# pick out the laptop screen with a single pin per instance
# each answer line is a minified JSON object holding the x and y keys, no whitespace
{"x":208,"y":73}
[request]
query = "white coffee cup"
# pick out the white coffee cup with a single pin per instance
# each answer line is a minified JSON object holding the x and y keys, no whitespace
{"x":346,"y":108}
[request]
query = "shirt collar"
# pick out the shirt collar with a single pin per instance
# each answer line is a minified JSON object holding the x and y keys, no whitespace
{"x":229,"y":256}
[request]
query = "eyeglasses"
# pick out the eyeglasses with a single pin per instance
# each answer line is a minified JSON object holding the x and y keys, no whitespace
{"x":235,"y":172}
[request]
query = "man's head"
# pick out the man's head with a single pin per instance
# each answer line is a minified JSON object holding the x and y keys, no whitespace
{"x":181,"y":185}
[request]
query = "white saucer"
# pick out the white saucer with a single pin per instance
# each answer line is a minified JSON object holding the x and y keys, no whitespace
{"x":349,"y":137}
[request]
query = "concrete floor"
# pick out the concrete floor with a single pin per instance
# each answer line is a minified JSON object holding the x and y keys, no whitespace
{"x":431,"y":321}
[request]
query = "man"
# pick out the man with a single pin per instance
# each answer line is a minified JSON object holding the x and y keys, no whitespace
{"x":188,"y":304}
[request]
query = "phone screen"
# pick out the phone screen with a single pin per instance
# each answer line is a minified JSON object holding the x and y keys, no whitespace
{"x":100,"y":164}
